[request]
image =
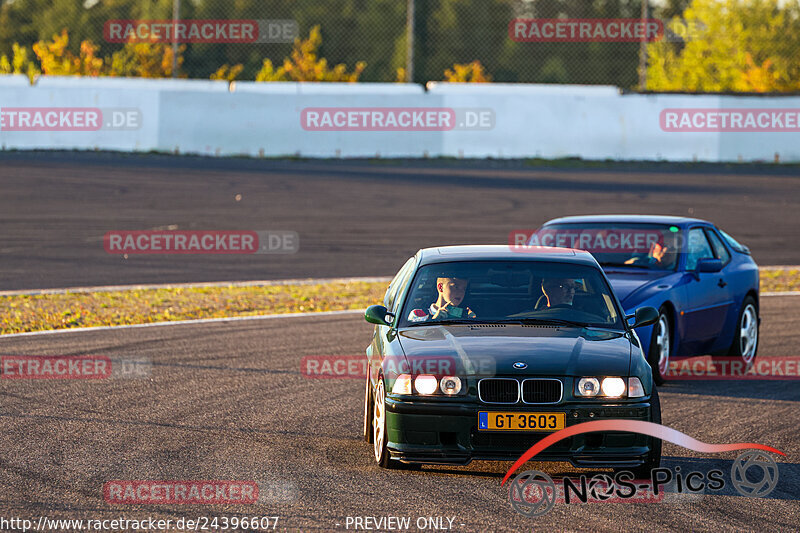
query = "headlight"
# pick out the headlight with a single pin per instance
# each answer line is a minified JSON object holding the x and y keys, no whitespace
{"x":610,"y":387}
{"x":450,"y":385}
{"x":588,"y":387}
{"x":613,"y":387}
{"x":635,"y":389}
{"x":402,"y":384}
{"x":426,"y":384}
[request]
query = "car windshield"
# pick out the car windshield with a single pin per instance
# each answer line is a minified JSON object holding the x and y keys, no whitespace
{"x":522,"y":292}
{"x":628,"y":245}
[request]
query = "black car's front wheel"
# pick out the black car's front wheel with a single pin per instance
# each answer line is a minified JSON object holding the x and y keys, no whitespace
{"x":660,"y":347}
{"x":368,"y":411}
{"x":379,"y":426}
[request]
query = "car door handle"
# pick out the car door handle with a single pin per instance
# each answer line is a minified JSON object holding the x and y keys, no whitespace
{"x":722,"y":283}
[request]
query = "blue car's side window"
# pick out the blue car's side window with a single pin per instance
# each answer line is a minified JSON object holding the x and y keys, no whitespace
{"x":720,"y":251}
{"x":698,"y":248}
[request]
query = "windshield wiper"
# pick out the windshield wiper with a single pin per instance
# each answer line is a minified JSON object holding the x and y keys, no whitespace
{"x":545,"y":321}
{"x":446,"y":321}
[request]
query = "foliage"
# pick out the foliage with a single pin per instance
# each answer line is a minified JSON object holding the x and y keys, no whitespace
{"x":747,"y":45}
{"x":228,"y":73}
{"x":19,"y":64}
{"x":467,"y":73}
{"x":303,"y":65}
{"x":56,"y":60}
{"x":144,"y":60}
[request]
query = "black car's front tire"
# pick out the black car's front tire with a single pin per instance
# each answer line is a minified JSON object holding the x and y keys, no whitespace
{"x":379,"y":439}
{"x":375,"y":427}
{"x":660,"y":347}
{"x":367,"y":433}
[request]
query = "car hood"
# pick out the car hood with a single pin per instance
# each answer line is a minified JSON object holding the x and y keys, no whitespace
{"x":546,"y":350}
{"x":625,"y":284}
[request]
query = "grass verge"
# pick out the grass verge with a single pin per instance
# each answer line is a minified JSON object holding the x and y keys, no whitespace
{"x":23,"y":313}
{"x":84,"y":309}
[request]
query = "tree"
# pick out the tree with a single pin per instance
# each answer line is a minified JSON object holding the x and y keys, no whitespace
{"x":56,"y":60}
{"x":19,"y":64}
{"x":745,"y":46}
{"x":144,"y":60}
{"x":469,"y":72}
{"x":304,"y":65}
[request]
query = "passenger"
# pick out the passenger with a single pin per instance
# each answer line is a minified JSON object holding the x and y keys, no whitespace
{"x":451,"y":294}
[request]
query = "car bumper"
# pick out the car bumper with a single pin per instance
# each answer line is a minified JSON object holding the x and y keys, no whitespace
{"x":432,"y":432}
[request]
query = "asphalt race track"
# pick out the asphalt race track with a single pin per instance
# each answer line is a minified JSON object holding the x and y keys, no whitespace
{"x":228,"y":401}
{"x":354,"y":218}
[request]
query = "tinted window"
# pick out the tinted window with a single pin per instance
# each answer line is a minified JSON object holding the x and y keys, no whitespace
{"x":621,"y":244}
{"x":698,"y":248}
{"x":733,"y":243}
{"x":719,"y":249}
{"x":399,"y":280}
{"x":510,"y":291}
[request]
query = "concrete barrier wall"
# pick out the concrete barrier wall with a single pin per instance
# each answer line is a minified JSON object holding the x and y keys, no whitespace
{"x":264,"y":119}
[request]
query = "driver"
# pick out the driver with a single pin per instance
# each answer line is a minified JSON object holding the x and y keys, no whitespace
{"x":559,"y":291}
{"x":654,"y":257}
{"x":451,"y":294}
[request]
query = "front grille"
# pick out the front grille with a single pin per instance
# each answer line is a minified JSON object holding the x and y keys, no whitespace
{"x":541,"y":391}
{"x":498,"y":390}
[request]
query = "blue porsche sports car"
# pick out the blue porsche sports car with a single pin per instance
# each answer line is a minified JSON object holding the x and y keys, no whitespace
{"x":703,"y":282}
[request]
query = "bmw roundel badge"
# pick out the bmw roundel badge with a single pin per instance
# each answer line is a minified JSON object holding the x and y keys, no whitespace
{"x":519,"y":365}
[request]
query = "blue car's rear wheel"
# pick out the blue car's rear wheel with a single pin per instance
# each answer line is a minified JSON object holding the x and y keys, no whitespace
{"x":745,"y":338}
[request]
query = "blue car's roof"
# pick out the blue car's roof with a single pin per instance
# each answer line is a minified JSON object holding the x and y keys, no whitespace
{"x":643,"y":219}
{"x":445,"y":254}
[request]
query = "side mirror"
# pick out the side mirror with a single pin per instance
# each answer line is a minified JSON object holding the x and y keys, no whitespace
{"x":644,"y":316}
{"x":378,"y":314}
{"x":708,"y":265}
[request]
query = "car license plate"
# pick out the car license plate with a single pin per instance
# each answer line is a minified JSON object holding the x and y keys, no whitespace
{"x":505,"y":421}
